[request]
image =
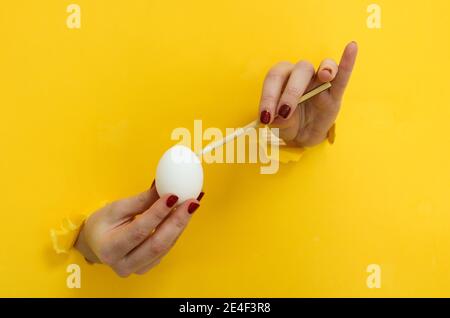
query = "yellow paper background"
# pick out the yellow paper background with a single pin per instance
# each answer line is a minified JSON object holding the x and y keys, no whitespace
{"x":85,"y":115}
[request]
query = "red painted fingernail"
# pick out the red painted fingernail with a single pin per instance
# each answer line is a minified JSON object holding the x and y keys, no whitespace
{"x":171,"y":201}
{"x":265,"y":117}
{"x":200,"y":196}
{"x":192,"y":207}
{"x":284,"y":111}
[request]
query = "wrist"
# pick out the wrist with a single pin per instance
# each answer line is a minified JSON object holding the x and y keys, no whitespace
{"x":83,"y":247}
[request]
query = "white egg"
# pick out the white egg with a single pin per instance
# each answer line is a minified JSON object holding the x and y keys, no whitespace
{"x":179,"y":172}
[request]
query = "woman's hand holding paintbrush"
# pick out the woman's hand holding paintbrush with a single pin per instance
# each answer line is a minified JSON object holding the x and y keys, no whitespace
{"x":308,"y":123}
{"x":294,"y":99}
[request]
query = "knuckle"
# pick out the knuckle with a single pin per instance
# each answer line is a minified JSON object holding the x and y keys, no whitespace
{"x":282,"y":65}
{"x":329,"y":61}
{"x":113,"y":206}
{"x":180,"y":222}
{"x":106,"y":255}
{"x":158,"y":247}
{"x":318,"y":133}
{"x":153,"y":266}
{"x":116,"y":207}
{"x":305,"y":65}
{"x":142,"y":198}
{"x":138,"y":234}
{"x":275,"y":74}
{"x":292,"y":91}
{"x":159,"y":215}
{"x":148,"y":268}
{"x":268,"y":99}
{"x":279,"y":70}
{"x":122,"y":271}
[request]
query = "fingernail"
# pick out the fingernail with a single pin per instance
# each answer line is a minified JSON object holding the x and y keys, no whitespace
{"x":192,"y":207}
{"x":200,"y":196}
{"x":326,"y":69}
{"x":153,"y":184}
{"x":265,"y":117}
{"x":171,"y":201}
{"x":284,"y":111}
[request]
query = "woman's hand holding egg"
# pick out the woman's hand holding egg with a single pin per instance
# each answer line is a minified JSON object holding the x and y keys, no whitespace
{"x":133,"y":234}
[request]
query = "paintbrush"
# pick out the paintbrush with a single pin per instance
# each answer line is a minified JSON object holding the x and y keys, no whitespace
{"x":240,"y":131}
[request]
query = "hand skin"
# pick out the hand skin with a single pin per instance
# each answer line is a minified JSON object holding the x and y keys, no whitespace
{"x":308,"y":124}
{"x":132,"y":235}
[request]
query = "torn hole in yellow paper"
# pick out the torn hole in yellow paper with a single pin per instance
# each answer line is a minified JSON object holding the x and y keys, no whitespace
{"x":290,"y":153}
{"x":65,"y":236}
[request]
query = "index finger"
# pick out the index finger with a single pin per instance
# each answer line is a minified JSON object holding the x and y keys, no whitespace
{"x":129,"y":207}
{"x":344,"y":70}
{"x":273,"y":85}
{"x":162,"y":239}
{"x":137,"y":231}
